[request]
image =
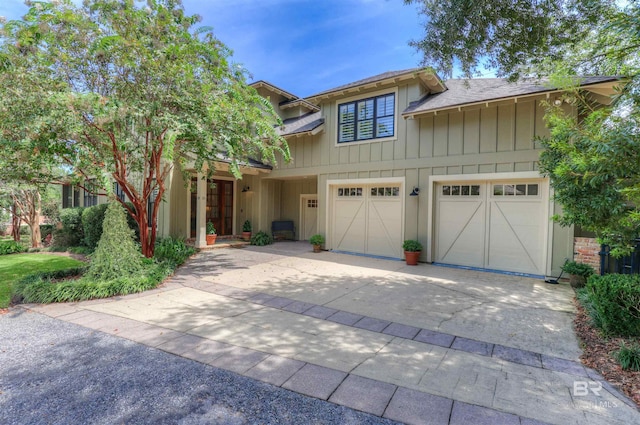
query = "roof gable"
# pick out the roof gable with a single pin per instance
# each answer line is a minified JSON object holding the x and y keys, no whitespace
{"x":427,"y":77}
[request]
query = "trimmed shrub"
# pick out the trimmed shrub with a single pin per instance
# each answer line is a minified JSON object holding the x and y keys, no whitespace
{"x":616,"y":301}
{"x":10,"y":247}
{"x":261,"y":239}
{"x":25,"y":230}
{"x":629,"y":356}
{"x":117,"y":255}
{"x":71,"y":233}
{"x":92,"y":219}
{"x":172,"y":251}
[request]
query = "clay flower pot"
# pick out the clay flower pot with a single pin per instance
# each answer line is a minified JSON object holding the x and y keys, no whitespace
{"x":411,"y":257}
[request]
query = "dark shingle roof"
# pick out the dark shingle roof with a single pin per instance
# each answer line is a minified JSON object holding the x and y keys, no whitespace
{"x":379,"y":77}
{"x":303,"y":124}
{"x":250,"y":162}
{"x":463,"y":92}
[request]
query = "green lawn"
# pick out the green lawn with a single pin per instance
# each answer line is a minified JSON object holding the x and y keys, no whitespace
{"x":15,"y":266}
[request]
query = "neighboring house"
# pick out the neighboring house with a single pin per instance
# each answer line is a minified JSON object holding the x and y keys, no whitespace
{"x":465,"y":149}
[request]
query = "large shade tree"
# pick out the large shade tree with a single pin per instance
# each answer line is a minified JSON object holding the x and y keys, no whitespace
{"x":591,"y":156}
{"x":123,"y":92}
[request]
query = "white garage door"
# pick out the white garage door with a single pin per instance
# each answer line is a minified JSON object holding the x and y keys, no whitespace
{"x":367,"y":219}
{"x":499,"y":225}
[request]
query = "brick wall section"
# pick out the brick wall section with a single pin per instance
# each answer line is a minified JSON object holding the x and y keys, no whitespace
{"x":586,"y":250}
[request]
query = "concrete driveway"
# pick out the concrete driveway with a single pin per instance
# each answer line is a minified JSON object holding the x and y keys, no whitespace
{"x":422,"y":344}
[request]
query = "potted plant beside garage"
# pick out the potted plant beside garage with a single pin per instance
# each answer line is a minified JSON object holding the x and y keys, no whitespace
{"x":578,"y":273}
{"x":211,"y":233}
{"x":317,"y":241}
{"x":246,"y":230}
{"x":412,"y":250}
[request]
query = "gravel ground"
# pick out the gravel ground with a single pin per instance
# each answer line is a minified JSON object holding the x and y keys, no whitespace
{"x":53,"y":372}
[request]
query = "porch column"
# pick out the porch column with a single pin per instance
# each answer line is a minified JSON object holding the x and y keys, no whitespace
{"x":201,"y":211}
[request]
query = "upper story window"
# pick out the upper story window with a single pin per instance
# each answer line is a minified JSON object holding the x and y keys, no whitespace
{"x":367,"y":119}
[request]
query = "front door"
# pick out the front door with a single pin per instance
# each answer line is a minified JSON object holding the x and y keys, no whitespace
{"x":219,"y":206}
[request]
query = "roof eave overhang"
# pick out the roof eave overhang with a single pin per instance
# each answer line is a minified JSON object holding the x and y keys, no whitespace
{"x":428,"y":78}
{"x":271,"y":87}
{"x":603,"y":89}
{"x":312,"y":132}
{"x":300,"y":102}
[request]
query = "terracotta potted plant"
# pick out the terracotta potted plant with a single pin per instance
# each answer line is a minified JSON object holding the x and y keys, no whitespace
{"x":316,"y":241}
{"x":412,"y":250}
{"x":211,"y":233}
{"x":578,"y":273}
{"x":246,"y":230}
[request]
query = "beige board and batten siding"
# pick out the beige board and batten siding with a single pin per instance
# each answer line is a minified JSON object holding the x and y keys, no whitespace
{"x":491,"y":138}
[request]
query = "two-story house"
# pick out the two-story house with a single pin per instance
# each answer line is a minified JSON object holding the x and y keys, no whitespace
{"x":401,"y":155}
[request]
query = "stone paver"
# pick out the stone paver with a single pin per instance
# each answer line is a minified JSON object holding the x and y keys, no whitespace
{"x":315,"y":381}
{"x":517,"y":356}
{"x":464,"y":414}
{"x":374,"y":335}
{"x":415,"y":407}
{"x":472,"y":346}
{"x":435,"y":338}
{"x":320,"y":312}
{"x":364,"y":394}
{"x":275,"y":370}
{"x":400,"y":330}
{"x":345,"y":318}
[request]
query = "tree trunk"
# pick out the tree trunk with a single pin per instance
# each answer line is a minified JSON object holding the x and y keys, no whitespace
{"x":15,"y":223}
{"x":36,"y":237}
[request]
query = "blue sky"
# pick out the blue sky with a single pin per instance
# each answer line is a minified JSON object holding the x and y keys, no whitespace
{"x":306,"y":46}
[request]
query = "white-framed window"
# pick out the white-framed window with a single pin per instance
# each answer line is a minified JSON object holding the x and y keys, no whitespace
{"x":367,"y":119}
{"x":349,"y":192}
{"x":312,"y":203}
{"x":385,"y":191}
{"x":461,"y":190}
{"x":521,"y":189}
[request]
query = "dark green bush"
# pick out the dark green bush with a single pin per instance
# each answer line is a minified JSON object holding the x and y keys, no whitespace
{"x":71,"y":233}
{"x":261,"y":239}
{"x":579,"y":269}
{"x":10,"y":247}
{"x":616,"y":301}
{"x":46,"y":230}
{"x":25,"y":230}
{"x":92,"y":219}
{"x":173,"y":251}
{"x":629,"y":356}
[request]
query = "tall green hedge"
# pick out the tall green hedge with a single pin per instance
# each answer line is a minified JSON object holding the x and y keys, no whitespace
{"x":71,"y":233}
{"x":615,"y":300}
{"x":83,"y":227}
{"x":92,"y":219}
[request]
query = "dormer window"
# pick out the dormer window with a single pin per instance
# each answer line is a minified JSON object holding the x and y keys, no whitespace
{"x":367,"y":119}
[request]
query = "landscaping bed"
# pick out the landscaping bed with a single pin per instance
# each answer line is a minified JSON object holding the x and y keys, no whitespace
{"x":597,"y":354}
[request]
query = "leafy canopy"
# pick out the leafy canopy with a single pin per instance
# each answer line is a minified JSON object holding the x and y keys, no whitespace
{"x":116,"y":91}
